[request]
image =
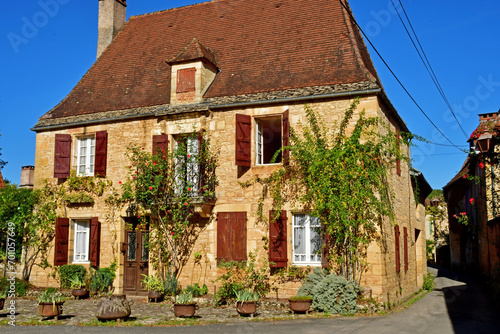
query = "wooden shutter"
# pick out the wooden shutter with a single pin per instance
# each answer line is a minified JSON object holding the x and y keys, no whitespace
{"x":278,"y":240}
{"x":186,"y":80}
{"x":160,"y":142}
{"x":95,"y":241}
{"x":61,"y":242}
{"x":286,"y":137}
{"x":62,"y":155}
{"x":325,"y":247}
{"x":101,"y":151}
{"x":396,"y":243}
{"x":231,"y":236}
{"x":243,"y":140}
{"x":405,"y":237}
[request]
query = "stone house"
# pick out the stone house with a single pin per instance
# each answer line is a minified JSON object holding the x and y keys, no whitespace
{"x":242,"y":71}
{"x":472,"y":198}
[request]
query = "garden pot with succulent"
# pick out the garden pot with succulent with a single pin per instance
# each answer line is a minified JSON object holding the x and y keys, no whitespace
{"x":246,"y":302}
{"x":50,"y":304}
{"x":300,"y":304}
{"x":184,"y":305}
{"x":155,"y":287}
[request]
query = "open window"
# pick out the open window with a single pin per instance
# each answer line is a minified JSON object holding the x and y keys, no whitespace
{"x":268,"y":140}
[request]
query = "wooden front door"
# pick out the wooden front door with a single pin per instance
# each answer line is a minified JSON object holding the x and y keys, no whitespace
{"x":136,"y":261}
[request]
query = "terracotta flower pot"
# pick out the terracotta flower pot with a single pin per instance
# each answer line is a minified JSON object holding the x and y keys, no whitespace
{"x":155,"y":295}
{"x":113,"y":308}
{"x":50,"y":310}
{"x":80,"y":293}
{"x":185,"y":310}
{"x":300,"y":306}
{"x":246,"y":308}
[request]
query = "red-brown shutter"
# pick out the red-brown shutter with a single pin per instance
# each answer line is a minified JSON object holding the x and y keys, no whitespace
{"x":286,"y":137}
{"x":278,"y":240}
{"x":243,"y":140}
{"x":62,"y":155}
{"x":405,"y":236}
{"x":61,"y":242}
{"x":101,"y":151}
{"x":325,"y":247}
{"x":95,"y":241}
{"x":223,"y":236}
{"x":396,"y":243}
{"x":160,"y":142}
{"x":239,"y":233}
{"x":186,"y":80}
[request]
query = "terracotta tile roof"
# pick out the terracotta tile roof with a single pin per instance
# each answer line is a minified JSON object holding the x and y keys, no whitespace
{"x":259,"y":46}
{"x":2,"y":182}
{"x":193,"y":51}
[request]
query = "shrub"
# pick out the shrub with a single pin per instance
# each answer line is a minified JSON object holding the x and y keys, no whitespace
{"x":331,"y":293}
{"x":68,"y":271}
{"x":428,"y":282}
{"x":101,"y":280}
{"x":196,"y":290}
{"x":170,"y":285}
{"x":21,"y":286}
{"x":153,"y":283}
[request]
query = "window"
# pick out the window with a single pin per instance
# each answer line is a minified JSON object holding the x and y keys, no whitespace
{"x":85,"y":156}
{"x":187,"y":167}
{"x":268,"y":140}
{"x":81,"y":241}
{"x":306,"y":240}
{"x":186,"y":80}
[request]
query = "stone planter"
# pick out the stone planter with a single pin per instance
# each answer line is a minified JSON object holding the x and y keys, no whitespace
{"x":246,"y":308}
{"x":185,"y":310}
{"x":2,"y":302}
{"x":155,"y":296}
{"x":113,"y":308}
{"x":300,"y":306}
{"x":50,"y":310}
{"x":80,"y":293}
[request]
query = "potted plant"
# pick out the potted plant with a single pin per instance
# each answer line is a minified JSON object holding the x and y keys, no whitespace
{"x":79,"y":287}
{"x":155,"y":287}
{"x":3,"y":295}
{"x":246,"y":302}
{"x":184,"y":305}
{"x":50,"y":304}
{"x":300,"y":304}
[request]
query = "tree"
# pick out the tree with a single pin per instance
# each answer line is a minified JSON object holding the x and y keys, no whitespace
{"x":340,"y":175}
{"x":165,"y":187}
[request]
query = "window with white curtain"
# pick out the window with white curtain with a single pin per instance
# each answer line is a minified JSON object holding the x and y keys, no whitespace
{"x":187,"y":166}
{"x":81,"y":241}
{"x":306,"y":240}
{"x":85,"y":156}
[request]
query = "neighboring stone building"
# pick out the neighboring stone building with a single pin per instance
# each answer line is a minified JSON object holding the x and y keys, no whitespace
{"x":437,"y":230}
{"x":473,"y":203}
{"x":2,"y":182}
{"x":238,"y":69}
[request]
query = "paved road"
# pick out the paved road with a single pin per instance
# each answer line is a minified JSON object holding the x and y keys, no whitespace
{"x":458,"y":305}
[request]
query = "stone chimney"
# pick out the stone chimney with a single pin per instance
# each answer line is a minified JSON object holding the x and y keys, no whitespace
{"x":112,"y":18}
{"x":27,"y":177}
{"x":492,"y":116}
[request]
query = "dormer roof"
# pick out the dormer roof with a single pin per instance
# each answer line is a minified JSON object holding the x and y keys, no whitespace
{"x":192,"y":52}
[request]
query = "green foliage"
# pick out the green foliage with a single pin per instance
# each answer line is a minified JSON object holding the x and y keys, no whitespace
{"x":153,"y":283}
{"x":242,"y":275}
{"x":428,"y":282}
{"x":196,"y":290}
{"x":166,"y":185}
{"x":341,"y":175}
{"x":76,"y":282}
{"x":69,"y":271}
{"x":246,"y":296}
{"x":171,"y":284}
{"x":429,"y":249}
{"x":101,"y":280}
{"x":331,"y":293}
{"x":50,"y":296}
{"x":301,"y":298}
{"x":435,"y":193}
{"x":184,"y":298}
{"x":78,"y":198}
{"x":21,"y":286}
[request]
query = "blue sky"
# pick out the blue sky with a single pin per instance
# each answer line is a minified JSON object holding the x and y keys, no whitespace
{"x":48,"y":45}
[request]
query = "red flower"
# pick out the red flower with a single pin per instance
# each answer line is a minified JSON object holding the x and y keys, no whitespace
{"x":185,"y":204}
{"x":463,"y":213}
{"x":189,"y":155}
{"x":189,"y":189}
{"x":120,"y":182}
{"x":466,"y":176}
{"x":168,"y":211}
{"x":154,"y":163}
{"x":163,"y":150}
{"x":143,"y":148}
{"x":471,"y":201}
{"x":481,"y":165}
{"x":173,"y":233}
{"x":133,"y":177}
{"x":150,"y":188}
{"x":135,"y":172}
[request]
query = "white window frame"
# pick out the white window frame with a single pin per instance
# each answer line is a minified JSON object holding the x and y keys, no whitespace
{"x":81,"y":227}
{"x":85,"y":161}
{"x":192,"y":167}
{"x":259,"y":140}
{"x":307,"y":238}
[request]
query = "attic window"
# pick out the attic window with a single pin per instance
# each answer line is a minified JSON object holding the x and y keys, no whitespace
{"x":185,"y":80}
